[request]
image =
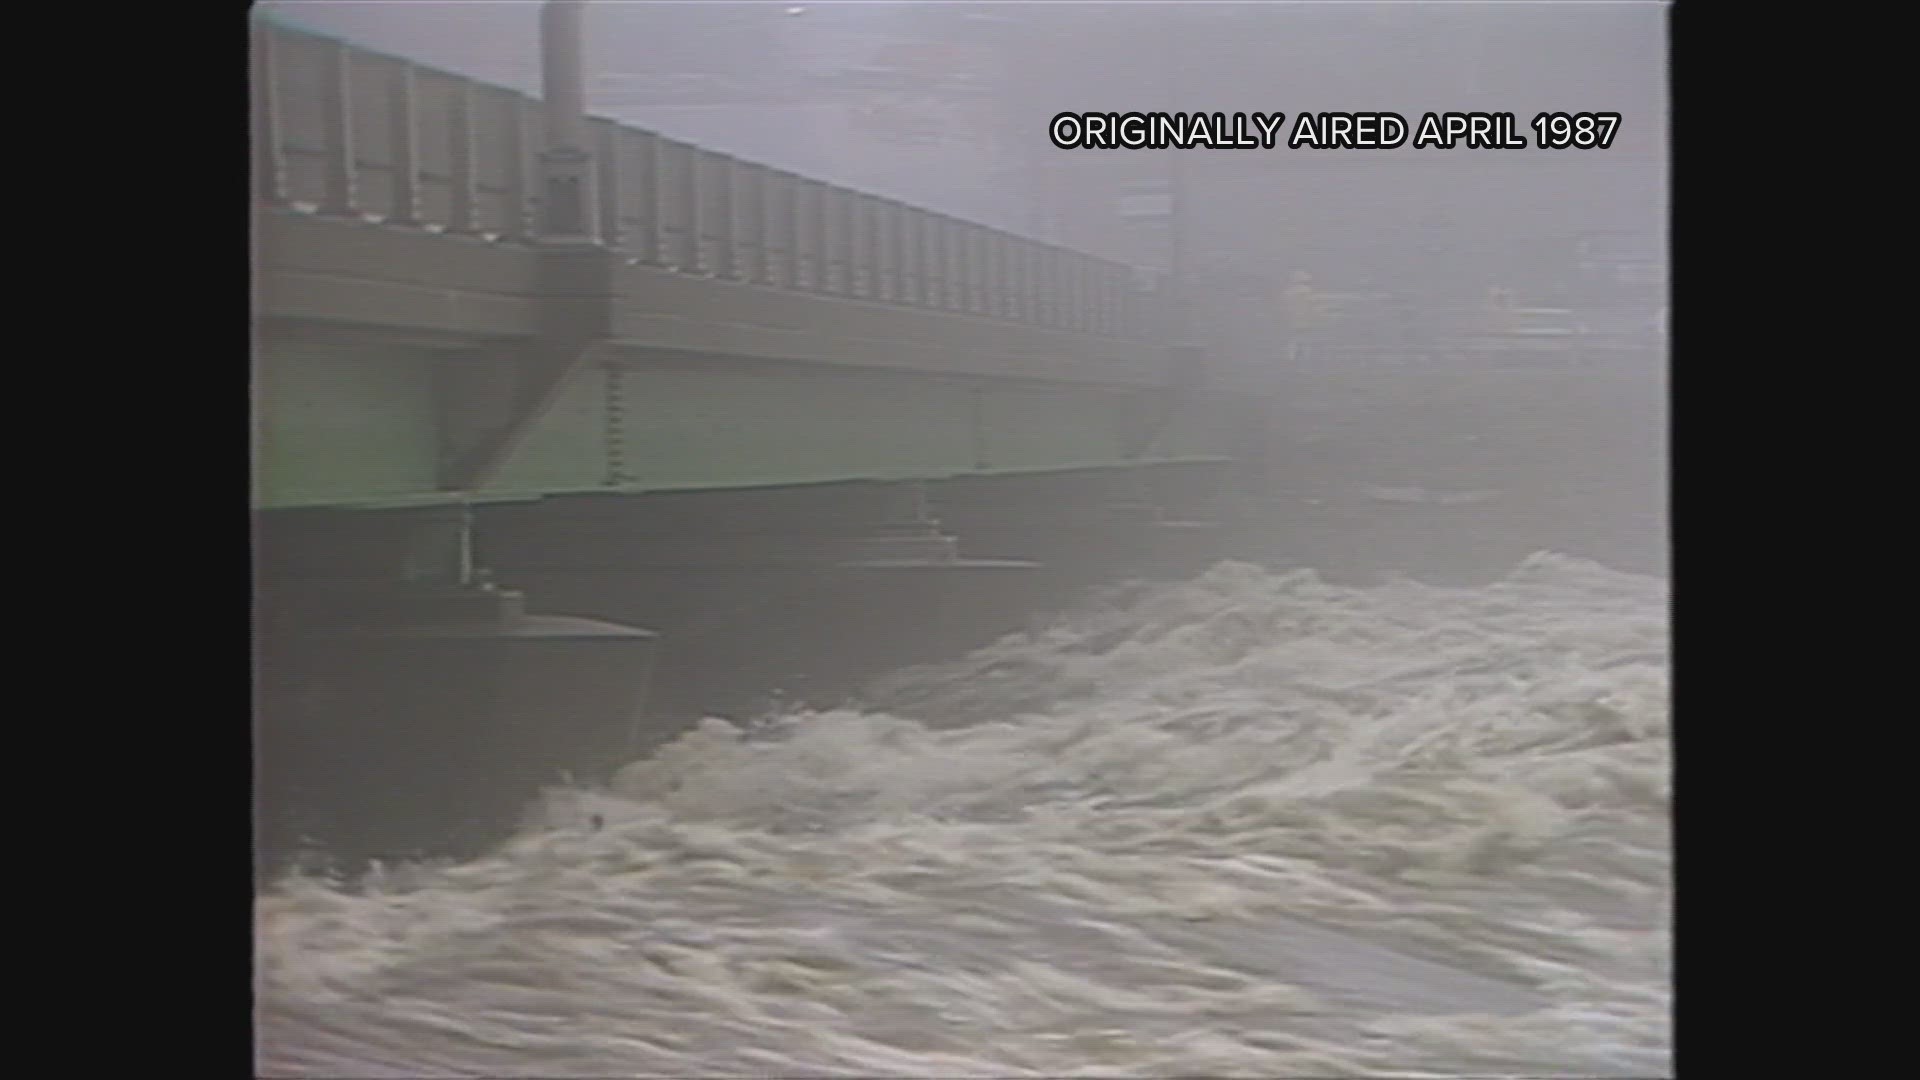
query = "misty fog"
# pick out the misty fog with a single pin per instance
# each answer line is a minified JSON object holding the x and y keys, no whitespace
{"x":1342,"y":753}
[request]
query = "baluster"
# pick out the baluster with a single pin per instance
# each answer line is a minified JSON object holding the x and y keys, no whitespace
{"x":718,"y":178}
{"x":782,"y":258}
{"x":1067,"y":265}
{"x":837,"y":220}
{"x":860,"y":247}
{"x":1081,"y":281}
{"x":749,"y":225}
{"x":607,"y":180}
{"x":913,"y":289}
{"x":1057,"y":268}
{"x":1019,"y":304}
{"x":463,"y":206}
{"x":1100,"y":276}
{"x":974,"y":269}
{"x":993,"y":273}
{"x":677,"y":211}
{"x":932,"y":258}
{"x":515,"y":211}
{"x":642,"y":176}
{"x":1053,"y":289}
{"x":956,"y":234}
{"x":886,"y":251}
{"x":686,"y":179}
{"x":1096,"y":295}
{"x":403,"y":126}
{"x":269,"y":160}
{"x":336,"y":112}
{"x":807,"y":235}
{"x":1036,"y":268}
{"x":1040,"y":262}
{"x":852,"y":237}
{"x":831,"y":267}
{"x":1077,"y":288}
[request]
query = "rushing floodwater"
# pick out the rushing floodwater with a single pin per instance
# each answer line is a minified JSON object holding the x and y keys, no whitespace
{"x":1251,"y":825}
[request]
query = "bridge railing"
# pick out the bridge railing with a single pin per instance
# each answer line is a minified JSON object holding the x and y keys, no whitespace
{"x":348,"y":132}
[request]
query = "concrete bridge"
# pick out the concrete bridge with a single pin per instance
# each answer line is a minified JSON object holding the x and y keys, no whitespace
{"x":494,"y":333}
{"x":465,"y":292}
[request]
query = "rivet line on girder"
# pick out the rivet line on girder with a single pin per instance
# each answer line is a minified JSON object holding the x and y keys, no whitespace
{"x":615,"y":417}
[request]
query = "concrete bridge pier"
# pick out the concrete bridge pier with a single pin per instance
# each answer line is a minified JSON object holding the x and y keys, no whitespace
{"x":419,"y":714}
{"x":816,"y":589}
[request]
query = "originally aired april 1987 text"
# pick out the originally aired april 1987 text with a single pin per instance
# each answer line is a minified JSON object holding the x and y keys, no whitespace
{"x":1332,"y":131}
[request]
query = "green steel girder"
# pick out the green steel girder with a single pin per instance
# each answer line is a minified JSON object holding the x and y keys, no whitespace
{"x":398,"y":366}
{"x":492,"y":400}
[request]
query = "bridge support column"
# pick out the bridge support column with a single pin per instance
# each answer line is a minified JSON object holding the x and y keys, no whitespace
{"x":420,"y":714}
{"x":568,"y":208}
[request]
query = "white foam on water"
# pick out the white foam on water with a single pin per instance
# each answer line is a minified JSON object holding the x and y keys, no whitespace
{"x":1251,"y":825}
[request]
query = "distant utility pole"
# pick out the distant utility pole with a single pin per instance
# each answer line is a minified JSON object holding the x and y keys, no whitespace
{"x":566,"y":165}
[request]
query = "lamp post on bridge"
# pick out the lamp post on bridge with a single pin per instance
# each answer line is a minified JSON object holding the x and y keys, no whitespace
{"x":566,"y":165}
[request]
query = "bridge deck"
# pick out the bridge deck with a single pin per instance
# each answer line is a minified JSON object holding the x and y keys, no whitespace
{"x":730,"y":324}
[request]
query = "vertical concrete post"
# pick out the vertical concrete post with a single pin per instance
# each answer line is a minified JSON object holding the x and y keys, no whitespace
{"x":645,"y":180}
{"x":956,"y":237}
{"x":716,"y":216}
{"x":978,"y":295}
{"x":993,"y":272}
{"x":679,"y":216}
{"x":1098,"y":279}
{"x":960,"y":264}
{"x":608,"y":180}
{"x":1020,"y":261}
{"x":913,"y":273}
{"x":783,"y":253}
{"x":886,"y":254}
{"x":336,"y":118}
{"x":852,"y":242}
{"x":834,"y":206}
{"x":860,"y":251}
{"x":933,"y":259}
{"x":686,"y":180}
{"x":888,"y":277}
{"x":1041,"y":285}
{"x":269,"y":163}
{"x":1085,"y":295}
{"x":1066,"y":265}
{"x":949,"y":239}
{"x":810,"y":218}
{"x":1019,"y":303}
{"x":1111,"y":284}
{"x":568,"y":207}
{"x":514,"y":154}
{"x":750,"y":222}
{"x":941,"y":227}
{"x":1066,"y":268}
{"x":406,"y":152}
{"x":463,"y":163}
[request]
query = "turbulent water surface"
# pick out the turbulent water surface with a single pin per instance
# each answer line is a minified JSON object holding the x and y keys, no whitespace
{"x":1253,"y":825}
